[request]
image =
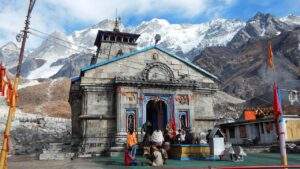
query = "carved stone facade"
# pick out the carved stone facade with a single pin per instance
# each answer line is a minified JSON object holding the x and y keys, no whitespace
{"x":151,"y":84}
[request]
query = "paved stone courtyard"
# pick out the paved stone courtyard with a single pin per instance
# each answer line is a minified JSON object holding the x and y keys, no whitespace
{"x":26,"y":162}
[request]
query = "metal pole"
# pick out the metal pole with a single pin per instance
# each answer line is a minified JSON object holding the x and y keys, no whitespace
{"x":12,"y":106}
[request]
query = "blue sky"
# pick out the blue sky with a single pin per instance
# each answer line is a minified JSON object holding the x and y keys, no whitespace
{"x":70,"y":15}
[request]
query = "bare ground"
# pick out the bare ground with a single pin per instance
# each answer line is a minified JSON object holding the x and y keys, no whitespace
{"x":26,"y":162}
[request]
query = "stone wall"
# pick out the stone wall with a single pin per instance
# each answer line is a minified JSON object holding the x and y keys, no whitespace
{"x":204,"y":117}
{"x":109,"y":50}
{"x":98,"y":119}
{"x":75,"y":100}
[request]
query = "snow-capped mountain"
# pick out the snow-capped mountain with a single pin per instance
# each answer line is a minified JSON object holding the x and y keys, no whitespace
{"x":46,"y":60}
{"x":85,"y":38}
{"x":186,"y":40}
{"x":9,"y":54}
{"x":261,"y":25}
{"x":291,"y":20}
{"x":56,"y":46}
{"x":185,"y":37}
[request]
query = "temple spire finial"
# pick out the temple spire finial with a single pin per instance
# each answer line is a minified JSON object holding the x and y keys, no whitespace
{"x":117,"y":22}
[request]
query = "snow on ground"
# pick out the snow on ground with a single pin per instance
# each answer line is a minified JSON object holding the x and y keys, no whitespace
{"x":44,"y":71}
{"x":222,"y":97}
{"x":32,"y":131}
{"x":30,"y":83}
{"x":52,"y":124}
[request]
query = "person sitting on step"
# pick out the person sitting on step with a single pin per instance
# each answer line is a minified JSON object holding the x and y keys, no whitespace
{"x":132,"y":143}
{"x":157,"y":137}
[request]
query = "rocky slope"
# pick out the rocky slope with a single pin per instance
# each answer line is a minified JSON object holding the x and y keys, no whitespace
{"x":243,"y":70}
{"x":31,"y":132}
{"x":261,"y":25}
{"x":49,"y":98}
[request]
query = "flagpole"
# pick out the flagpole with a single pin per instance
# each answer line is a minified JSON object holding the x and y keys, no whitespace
{"x":282,"y":144}
{"x":13,"y":97}
{"x":278,"y":112}
{"x":281,"y":132}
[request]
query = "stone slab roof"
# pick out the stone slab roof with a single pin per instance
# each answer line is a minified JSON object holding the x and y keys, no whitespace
{"x":114,"y":59}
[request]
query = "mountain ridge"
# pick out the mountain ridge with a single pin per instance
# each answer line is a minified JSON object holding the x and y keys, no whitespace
{"x":186,"y":40}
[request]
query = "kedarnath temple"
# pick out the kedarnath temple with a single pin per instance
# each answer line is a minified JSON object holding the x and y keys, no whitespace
{"x":123,"y":87}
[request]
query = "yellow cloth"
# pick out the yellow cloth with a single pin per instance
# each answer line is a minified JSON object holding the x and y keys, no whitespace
{"x":131,"y":139}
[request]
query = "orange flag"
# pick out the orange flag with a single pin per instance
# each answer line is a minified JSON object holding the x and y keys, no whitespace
{"x":2,"y":80}
{"x":9,"y":96}
{"x":270,"y":56}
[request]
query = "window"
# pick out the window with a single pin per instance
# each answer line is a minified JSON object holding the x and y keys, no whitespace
{"x":106,"y":37}
{"x":243,"y":133}
{"x":184,"y":119}
{"x":262,"y":128}
{"x":269,"y":127}
{"x":130,"y":120}
{"x":119,"y":39}
{"x":231,"y":132}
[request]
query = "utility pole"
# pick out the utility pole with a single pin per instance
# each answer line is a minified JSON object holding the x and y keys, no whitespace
{"x":13,"y":98}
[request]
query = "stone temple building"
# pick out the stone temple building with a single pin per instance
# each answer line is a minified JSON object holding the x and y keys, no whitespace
{"x":124,"y":87}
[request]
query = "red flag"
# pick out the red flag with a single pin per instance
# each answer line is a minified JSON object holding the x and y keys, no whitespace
{"x":270,"y":57}
{"x":173,"y":126}
{"x":276,"y":103}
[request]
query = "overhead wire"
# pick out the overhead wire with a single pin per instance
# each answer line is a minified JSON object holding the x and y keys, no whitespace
{"x":79,"y":46}
{"x":39,"y":36}
{"x":83,"y":47}
{"x":63,"y":40}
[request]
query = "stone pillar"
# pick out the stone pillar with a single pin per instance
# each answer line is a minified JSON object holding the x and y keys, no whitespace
{"x":121,"y":118}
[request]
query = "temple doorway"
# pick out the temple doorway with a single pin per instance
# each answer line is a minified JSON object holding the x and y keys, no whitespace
{"x":157,"y":114}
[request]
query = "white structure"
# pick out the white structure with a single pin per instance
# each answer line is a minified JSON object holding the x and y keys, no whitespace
{"x":260,"y":131}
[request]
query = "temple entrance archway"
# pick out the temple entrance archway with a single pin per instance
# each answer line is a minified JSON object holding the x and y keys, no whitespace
{"x":156,"y":113}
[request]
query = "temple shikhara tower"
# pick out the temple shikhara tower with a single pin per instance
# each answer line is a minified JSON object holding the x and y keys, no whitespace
{"x":124,"y":87}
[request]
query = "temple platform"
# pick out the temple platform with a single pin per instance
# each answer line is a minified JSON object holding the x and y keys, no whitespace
{"x":191,"y":152}
{"x":25,"y":162}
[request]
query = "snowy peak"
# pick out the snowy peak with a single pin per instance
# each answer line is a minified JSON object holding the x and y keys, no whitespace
{"x":261,"y":25}
{"x":259,"y":16}
{"x":265,"y":24}
{"x":184,"y":37}
{"x":55,"y":46}
{"x":154,"y":24}
{"x":107,"y":24}
{"x":10,"y":46}
{"x":86,"y":37}
{"x":291,"y":20}
{"x":9,"y":54}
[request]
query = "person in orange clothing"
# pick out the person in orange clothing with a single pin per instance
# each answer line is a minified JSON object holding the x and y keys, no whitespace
{"x":132,"y":143}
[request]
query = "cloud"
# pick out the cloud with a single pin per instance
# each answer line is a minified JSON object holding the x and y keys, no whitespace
{"x":93,"y":10}
{"x":51,"y":15}
{"x":12,"y":17}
